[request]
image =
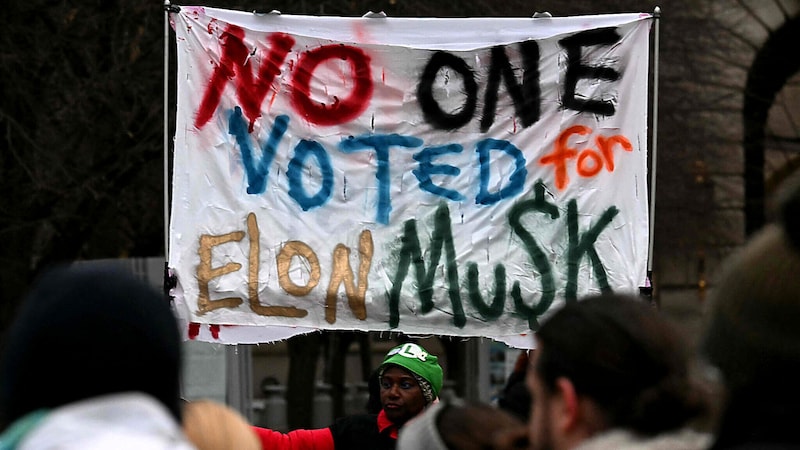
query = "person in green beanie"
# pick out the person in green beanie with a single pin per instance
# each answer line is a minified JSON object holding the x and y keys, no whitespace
{"x":403,"y":361}
{"x":410,"y":379}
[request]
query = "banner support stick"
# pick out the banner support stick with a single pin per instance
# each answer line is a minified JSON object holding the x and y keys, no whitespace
{"x":654,"y":148}
{"x":167,"y":10}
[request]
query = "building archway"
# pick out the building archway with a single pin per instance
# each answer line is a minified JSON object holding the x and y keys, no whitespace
{"x":768,"y":130}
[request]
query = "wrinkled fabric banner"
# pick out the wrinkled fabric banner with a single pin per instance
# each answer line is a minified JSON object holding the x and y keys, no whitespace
{"x":456,"y":177}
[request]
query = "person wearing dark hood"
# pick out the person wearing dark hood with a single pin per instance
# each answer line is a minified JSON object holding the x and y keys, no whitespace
{"x":410,"y":380}
{"x":91,"y":361}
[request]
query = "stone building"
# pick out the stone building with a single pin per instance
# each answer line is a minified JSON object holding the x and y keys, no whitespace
{"x":728,"y":134}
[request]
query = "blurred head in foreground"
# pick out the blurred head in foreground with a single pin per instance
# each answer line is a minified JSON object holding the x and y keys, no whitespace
{"x":464,"y":426}
{"x":752,"y":336}
{"x":606,"y":363}
{"x":84,"y":332}
{"x":213,"y":426}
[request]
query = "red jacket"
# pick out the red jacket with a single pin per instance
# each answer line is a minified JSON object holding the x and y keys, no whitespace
{"x":365,"y":431}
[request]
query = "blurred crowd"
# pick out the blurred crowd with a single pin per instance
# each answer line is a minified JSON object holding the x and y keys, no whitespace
{"x":609,"y":371}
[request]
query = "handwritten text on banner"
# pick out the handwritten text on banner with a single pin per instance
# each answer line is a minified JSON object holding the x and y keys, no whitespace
{"x":430,"y":176}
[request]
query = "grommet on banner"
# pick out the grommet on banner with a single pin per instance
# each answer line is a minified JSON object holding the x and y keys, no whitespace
{"x":170,"y":282}
{"x":262,"y":12}
{"x":375,"y":15}
{"x":168,"y":7}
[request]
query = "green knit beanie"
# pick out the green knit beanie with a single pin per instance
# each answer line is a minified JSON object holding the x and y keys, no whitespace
{"x":419,"y":362}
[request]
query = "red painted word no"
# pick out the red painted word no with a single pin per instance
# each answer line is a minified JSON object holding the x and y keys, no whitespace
{"x":251,"y":89}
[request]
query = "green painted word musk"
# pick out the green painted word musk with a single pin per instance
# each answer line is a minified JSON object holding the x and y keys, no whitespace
{"x":579,"y":245}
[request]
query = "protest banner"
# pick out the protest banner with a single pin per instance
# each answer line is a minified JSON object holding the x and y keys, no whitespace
{"x":428,"y":176}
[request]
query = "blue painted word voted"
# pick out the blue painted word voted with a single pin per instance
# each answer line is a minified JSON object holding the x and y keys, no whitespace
{"x":257,"y":170}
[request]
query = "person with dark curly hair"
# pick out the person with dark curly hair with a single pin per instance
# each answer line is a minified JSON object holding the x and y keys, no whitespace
{"x":610,"y":372}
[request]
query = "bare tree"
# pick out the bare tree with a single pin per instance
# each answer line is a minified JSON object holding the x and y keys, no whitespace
{"x":81,"y":118}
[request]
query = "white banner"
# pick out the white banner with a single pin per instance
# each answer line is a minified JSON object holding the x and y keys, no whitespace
{"x":428,"y":176}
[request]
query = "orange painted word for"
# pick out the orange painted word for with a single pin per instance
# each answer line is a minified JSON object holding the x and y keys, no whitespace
{"x":590,"y":161}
